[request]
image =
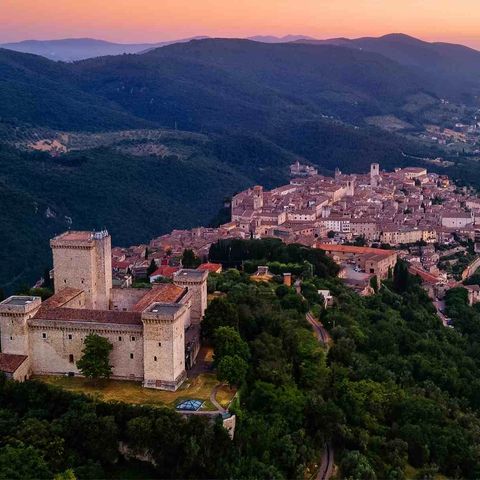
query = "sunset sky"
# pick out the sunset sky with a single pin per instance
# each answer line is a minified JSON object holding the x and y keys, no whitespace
{"x":156,"y":20}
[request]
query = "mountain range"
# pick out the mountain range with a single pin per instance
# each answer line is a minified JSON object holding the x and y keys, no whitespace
{"x":248,"y":108}
{"x":73,"y":49}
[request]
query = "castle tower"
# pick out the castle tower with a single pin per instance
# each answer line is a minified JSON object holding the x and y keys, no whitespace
{"x":196,"y":283}
{"x":164,"y":345}
{"x":257,"y":197}
{"x":14,"y":315}
{"x":374,"y":174}
{"x":83,"y":260}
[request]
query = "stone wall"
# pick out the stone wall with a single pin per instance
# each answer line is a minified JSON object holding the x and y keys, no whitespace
{"x":164,"y":346}
{"x":74,"y":267}
{"x":23,"y":372}
{"x":57,"y":346}
{"x":14,"y":332}
{"x":123,"y":299}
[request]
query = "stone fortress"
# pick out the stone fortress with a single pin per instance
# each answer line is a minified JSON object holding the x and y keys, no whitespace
{"x":154,"y":332}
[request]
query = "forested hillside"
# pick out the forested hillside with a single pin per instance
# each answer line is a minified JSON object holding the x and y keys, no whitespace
{"x":258,"y":106}
{"x":396,"y":395}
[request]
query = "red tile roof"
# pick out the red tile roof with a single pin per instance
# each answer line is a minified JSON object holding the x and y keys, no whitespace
{"x":210,"y":267}
{"x":165,"y":271}
{"x":61,"y":298}
{"x":160,"y":293}
{"x":91,"y":316}
{"x":10,"y":363}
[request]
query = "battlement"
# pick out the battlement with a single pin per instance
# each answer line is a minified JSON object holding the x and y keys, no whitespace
{"x":189,"y":276}
{"x":19,"y":305}
{"x":164,"y":312}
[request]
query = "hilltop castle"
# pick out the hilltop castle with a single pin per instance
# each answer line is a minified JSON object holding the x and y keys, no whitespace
{"x":154,"y":332}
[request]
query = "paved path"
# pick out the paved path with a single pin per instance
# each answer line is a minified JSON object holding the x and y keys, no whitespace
{"x":213,"y":398}
{"x":326,"y":467}
{"x":322,"y":334}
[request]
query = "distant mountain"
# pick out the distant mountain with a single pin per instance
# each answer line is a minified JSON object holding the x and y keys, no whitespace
{"x":454,"y":62}
{"x":72,"y":49}
{"x":284,"y":39}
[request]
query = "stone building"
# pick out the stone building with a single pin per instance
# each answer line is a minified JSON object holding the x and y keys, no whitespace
{"x":154,"y":331}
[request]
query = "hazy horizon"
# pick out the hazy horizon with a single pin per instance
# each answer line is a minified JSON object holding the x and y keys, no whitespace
{"x":152,"y":21}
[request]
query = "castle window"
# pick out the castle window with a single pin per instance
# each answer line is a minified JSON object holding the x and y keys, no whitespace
{"x":154,"y":359}
{"x":132,"y":338}
{"x":70,"y":336}
{"x":70,"y":358}
{"x":44,"y":335}
{"x":159,"y":344}
{"x":131,"y":355}
{"x":119,"y":339}
{"x":11,"y":338}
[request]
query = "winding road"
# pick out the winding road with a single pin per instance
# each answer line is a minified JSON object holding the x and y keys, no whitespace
{"x":326,"y":466}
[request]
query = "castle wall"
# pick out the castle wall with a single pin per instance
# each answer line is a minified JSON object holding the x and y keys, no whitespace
{"x":196,"y":282}
{"x":23,"y":372}
{"x":123,"y":299}
{"x":164,"y":346}
{"x":103,"y":270}
{"x":54,"y":342}
{"x":73,"y":267}
{"x":14,"y":315}
{"x":83,"y":260}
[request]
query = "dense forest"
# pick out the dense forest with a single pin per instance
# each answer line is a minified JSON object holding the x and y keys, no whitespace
{"x":396,"y":393}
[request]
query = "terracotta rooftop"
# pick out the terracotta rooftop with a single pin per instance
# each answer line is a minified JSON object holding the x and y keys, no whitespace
{"x":165,"y":271}
{"x":9,"y":363}
{"x":61,"y":298}
{"x":91,"y":316}
{"x":210,"y":267}
{"x":75,"y":236}
{"x":160,"y":293}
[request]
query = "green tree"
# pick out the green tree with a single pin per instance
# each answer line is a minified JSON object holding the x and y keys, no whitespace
{"x":232,"y":369}
{"x":151,"y":268}
{"x":401,"y":277}
{"x":356,"y":466}
{"x":219,"y":313}
{"x":227,"y":342}
{"x":68,"y":474}
{"x":95,"y":361}
{"x":20,"y":462}
{"x":189,"y":259}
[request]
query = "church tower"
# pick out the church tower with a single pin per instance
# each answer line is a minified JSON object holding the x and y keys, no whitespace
{"x":374,"y":174}
{"x":257,"y":197}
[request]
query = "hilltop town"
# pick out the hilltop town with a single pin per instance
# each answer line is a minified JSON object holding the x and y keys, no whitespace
{"x":417,"y":215}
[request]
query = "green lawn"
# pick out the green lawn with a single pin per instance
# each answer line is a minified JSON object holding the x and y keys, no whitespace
{"x":133,"y":392}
